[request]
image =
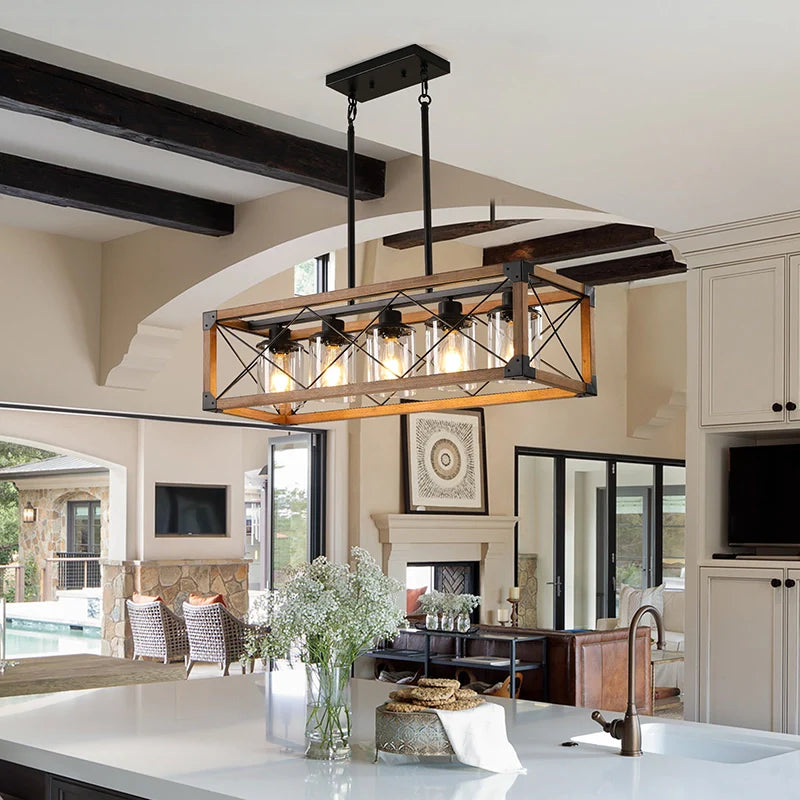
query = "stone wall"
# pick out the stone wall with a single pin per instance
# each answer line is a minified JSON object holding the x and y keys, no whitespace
{"x":41,"y":539}
{"x":173,"y":581}
{"x":528,"y":588}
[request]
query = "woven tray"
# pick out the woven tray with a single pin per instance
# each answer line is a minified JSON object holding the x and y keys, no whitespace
{"x":419,"y":733}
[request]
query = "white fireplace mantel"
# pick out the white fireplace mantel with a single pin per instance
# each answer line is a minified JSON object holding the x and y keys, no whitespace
{"x":428,"y":538}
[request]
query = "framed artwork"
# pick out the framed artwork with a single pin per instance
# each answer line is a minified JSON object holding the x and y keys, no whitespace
{"x":444,"y":462}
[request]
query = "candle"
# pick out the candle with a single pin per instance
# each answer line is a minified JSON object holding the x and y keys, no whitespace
{"x":502,"y":615}
{"x":513,"y":593}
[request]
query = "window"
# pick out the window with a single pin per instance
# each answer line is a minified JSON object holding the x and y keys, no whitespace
{"x":314,"y":275}
{"x":590,"y":523}
{"x":83,"y":526}
{"x":296,"y":494}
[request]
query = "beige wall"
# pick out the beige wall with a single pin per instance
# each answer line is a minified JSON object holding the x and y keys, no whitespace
{"x":656,"y":353}
{"x":57,"y":364}
{"x":592,"y":424}
{"x":141,"y":453}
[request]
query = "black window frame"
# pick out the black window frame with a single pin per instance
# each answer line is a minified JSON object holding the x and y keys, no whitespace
{"x":317,"y":512}
{"x":606,"y":534}
{"x":71,"y":506}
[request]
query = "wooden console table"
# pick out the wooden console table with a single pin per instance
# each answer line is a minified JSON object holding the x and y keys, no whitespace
{"x":425,"y":657}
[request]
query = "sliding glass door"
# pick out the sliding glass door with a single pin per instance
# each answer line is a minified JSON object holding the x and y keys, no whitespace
{"x":296,"y":513}
{"x":590,"y":523}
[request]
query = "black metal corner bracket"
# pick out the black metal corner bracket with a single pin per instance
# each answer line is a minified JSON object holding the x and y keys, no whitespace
{"x":209,"y":402}
{"x":209,"y":320}
{"x":518,"y":271}
{"x":387,"y":73}
{"x":519,"y":368}
{"x":591,"y":388}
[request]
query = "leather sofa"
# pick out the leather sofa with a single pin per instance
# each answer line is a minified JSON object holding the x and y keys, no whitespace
{"x":588,"y":669}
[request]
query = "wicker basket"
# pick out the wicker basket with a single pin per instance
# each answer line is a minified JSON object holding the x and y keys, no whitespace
{"x":410,"y":734}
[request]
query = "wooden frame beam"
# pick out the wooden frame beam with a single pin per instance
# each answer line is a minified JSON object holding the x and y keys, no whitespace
{"x":520,"y":367}
{"x":575,"y":244}
{"x":628,"y":268}
{"x":73,"y":188}
{"x":445,"y":233}
{"x":33,"y":87}
{"x":503,"y":398}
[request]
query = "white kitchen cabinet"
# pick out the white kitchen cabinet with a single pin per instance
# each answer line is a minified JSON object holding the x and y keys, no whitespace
{"x":743,"y":355}
{"x":750,"y":647}
{"x":792,"y":584}
{"x":793,"y":340}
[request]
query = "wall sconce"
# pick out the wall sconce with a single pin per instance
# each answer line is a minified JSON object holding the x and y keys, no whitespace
{"x":29,"y":513}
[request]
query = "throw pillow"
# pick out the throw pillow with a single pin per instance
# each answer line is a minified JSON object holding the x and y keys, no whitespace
{"x":203,"y":600}
{"x":146,"y":598}
{"x":631,"y":599}
{"x":412,"y":599}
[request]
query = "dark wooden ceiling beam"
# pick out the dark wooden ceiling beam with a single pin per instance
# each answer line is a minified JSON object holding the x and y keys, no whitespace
{"x":33,"y":87}
{"x":444,"y":233}
{"x":64,"y":186}
{"x":575,"y":244}
{"x":626,"y":268}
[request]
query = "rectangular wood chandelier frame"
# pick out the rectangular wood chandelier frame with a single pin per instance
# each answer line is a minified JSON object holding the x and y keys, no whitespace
{"x":555,"y":298}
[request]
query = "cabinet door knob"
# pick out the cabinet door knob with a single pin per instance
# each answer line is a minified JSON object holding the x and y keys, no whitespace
{"x":789,"y":583}
{"x":777,"y":407}
{"x":776,"y":583}
{"x":790,"y":406}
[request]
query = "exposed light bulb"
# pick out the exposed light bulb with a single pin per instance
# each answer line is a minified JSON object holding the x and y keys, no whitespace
{"x":392,"y":368}
{"x":451,"y":358}
{"x":508,"y":342}
{"x":279,"y":381}
{"x":334,"y":373}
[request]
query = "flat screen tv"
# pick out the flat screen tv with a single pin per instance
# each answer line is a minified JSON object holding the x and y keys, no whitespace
{"x":763,"y":485}
{"x":191,"y":510}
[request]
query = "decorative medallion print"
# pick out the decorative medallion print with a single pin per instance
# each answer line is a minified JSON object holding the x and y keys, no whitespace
{"x":445,"y":460}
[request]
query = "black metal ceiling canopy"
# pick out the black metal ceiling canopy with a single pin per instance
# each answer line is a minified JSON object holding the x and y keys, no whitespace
{"x":387,"y":74}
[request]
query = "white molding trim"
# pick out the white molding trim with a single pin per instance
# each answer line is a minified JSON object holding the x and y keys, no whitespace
{"x":665,"y":415}
{"x":770,"y":235}
{"x":92,"y":480}
{"x":428,"y":538}
{"x":149,"y":351}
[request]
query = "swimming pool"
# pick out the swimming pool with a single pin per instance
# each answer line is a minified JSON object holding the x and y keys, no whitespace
{"x":24,"y":638}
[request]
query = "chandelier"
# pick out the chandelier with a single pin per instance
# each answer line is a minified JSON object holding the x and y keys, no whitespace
{"x":481,"y":336}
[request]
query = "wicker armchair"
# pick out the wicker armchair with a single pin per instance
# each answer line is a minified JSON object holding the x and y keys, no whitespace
{"x":157,"y":632}
{"x":215,"y":635}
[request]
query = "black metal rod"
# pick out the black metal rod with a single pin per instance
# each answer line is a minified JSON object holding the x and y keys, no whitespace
{"x":351,"y":196}
{"x":403,"y":301}
{"x":426,"y":187}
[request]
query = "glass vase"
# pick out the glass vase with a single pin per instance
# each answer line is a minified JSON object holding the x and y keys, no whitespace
{"x":328,"y":712}
{"x":463,"y":623}
{"x":432,"y":622}
{"x":448,"y":622}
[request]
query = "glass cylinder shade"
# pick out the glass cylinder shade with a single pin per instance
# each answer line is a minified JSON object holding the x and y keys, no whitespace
{"x":390,"y":345}
{"x":501,"y":333}
{"x":332,"y":355}
{"x":450,"y":342}
{"x":283,"y":363}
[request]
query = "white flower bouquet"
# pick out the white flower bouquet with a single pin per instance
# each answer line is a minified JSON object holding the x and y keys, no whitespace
{"x":328,"y":614}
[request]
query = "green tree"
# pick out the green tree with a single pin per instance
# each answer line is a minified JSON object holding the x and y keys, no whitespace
{"x":10,"y":456}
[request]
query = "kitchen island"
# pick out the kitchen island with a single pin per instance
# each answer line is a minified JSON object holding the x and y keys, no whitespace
{"x":242,"y":738}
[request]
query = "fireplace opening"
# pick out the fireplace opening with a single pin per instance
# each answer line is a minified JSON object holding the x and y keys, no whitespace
{"x":455,"y":577}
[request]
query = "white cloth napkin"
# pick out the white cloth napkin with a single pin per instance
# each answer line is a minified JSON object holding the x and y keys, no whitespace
{"x":478,"y":737}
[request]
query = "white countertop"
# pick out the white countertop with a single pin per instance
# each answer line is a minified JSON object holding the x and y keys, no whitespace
{"x":242,"y":738}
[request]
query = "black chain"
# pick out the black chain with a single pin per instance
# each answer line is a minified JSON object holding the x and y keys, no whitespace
{"x":352,"y":110}
{"x":424,"y":97}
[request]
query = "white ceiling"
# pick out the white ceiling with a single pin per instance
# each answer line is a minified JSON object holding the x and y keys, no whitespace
{"x":679,"y":114}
